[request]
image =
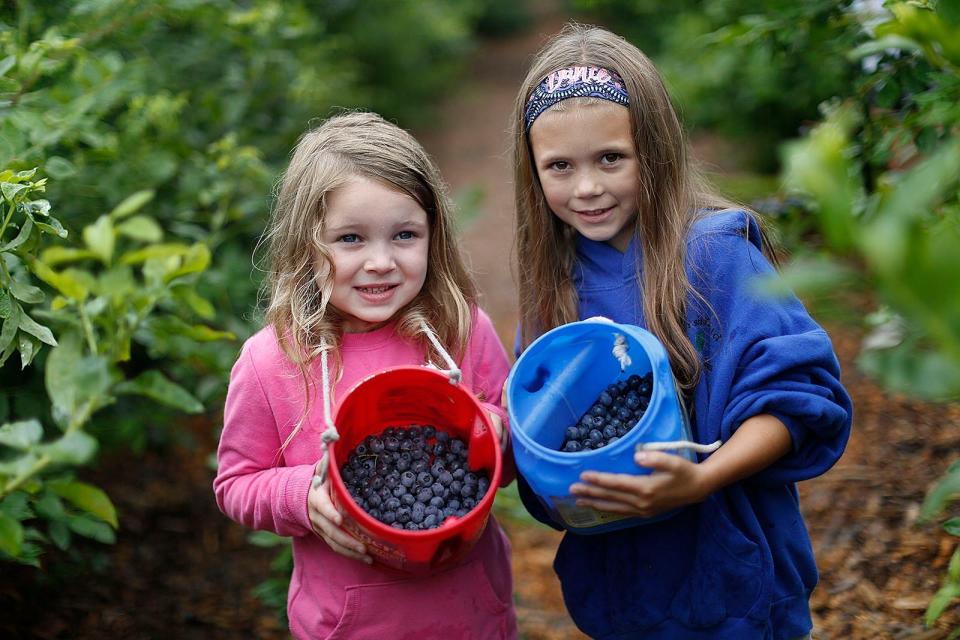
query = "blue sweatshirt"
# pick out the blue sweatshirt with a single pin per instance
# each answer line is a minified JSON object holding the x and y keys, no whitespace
{"x":739,"y":565}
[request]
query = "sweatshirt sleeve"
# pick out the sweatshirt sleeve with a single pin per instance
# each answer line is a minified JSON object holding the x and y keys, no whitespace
{"x":490,"y":369}
{"x":249,"y":485}
{"x":771,"y":357}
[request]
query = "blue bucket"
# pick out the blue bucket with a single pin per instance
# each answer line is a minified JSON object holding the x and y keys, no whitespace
{"x":555,"y":381}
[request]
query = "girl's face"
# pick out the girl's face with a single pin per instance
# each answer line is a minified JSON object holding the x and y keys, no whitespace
{"x":378,"y":239}
{"x":588,"y":168}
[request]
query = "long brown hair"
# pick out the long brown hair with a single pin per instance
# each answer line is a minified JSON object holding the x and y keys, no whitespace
{"x":299,"y":279}
{"x":672,"y":195}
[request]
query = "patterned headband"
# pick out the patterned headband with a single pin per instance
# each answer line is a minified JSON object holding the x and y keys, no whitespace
{"x":575,"y":82}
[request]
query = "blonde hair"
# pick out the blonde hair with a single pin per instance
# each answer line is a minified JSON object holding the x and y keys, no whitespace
{"x":672,"y":195}
{"x":299,"y":279}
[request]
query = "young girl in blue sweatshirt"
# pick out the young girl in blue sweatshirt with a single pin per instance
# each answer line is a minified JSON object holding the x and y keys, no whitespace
{"x":614,"y":221}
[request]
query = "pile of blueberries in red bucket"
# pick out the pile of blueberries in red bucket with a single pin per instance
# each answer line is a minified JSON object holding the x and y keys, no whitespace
{"x":618,"y":408}
{"x":413,"y":477}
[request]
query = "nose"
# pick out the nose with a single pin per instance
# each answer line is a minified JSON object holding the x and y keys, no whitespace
{"x":379,"y":259}
{"x":588,"y":185}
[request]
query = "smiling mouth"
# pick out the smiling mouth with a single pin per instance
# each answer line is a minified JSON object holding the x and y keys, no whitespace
{"x":593,"y":212}
{"x":376,"y":290}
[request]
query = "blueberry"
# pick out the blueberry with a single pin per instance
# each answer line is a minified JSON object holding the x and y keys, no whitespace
{"x":455,"y":486}
{"x":361,"y":450}
{"x":417,"y":513}
{"x":438,"y":489}
{"x":398,"y":490}
{"x":388,"y":517}
{"x":442,"y":436}
{"x":414,"y":432}
{"x":606,"y":399}
{"x":424,"y":495}
{"x":408,"y":499}
{"x":436,"y":501}
{"x":598,"y":410}
{"x":374,"y":501}
{"x":403,"y":515}
{"x":633,"y":381}
{"x":407,"y":478}
{"x":609,"y":431}
{"x":430,"y":521}
{"x":429,"y":432}
{"x":376,"y":446}
{"x":391,"y":443}
{"x":572,"y":446}
{"x":572,"y":433}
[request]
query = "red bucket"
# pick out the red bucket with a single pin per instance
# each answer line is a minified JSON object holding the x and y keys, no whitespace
{"x":401,"y":397}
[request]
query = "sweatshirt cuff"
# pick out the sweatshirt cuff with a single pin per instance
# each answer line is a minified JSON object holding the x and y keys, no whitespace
{"x":295,"y":493}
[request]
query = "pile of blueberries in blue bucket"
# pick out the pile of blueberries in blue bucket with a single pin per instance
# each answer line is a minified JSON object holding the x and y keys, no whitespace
{"x":413,"y":478}
{"x":618,"y":408}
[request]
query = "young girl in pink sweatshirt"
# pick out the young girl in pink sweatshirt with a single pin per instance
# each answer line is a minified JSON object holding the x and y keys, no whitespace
{"x":362,"y":257}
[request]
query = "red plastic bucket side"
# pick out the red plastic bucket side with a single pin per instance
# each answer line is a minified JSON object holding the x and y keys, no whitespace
{"x":398,"y":397}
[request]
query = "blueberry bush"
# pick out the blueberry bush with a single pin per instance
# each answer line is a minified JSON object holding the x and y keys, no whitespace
{"x":139,"y":146}
{"x":882,"y":175}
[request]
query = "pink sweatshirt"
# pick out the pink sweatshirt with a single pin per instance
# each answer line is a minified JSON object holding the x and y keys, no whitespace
{"x":332,"y":596}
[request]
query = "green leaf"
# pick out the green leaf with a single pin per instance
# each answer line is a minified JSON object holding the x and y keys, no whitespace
{"x":28,"y":348}
{"x":32,"y":327}
{"x":952,"y":526}
{"x":8,"y":333}
{"x":154,"y":251}
{"x":22,"y":237}
{"x":26,"y":292}
{"x":94,"y":529}
{"x":197,"y":303}
{"x":60,"y":534}
{"x":21,"y":435}
{"x":65,"y":283}
{"x":59,"y":168}
{"x":940,"y":601}
{"x":58,"y":255}
{"x":131,"y":204}
{"x":11,"y":535}
{"x":50,"y":507}
{"x":52,"y":226}
{"x":100,"y":238}
{"x":946,"y":490}
{"x":880,"y":45}
{"x":154,"y":384}
{"x":11,"y":189}
{"x":76,"y":384}
{"x":196,"y":259}
{"x":6,"y":306}
{"x":75,"y":448}
{"x":87,"y":497}
{"x":143,"y":228}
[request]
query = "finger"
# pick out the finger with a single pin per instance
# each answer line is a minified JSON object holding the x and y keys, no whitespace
{"x":658,"y":460}
{"x":619,"y":481}
{"x":348,"y":551}
{"x":497,"y":424}
{"x":333,"y":534}
{"x":326,"y":507}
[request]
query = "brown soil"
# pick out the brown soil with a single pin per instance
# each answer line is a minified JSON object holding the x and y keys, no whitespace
{"x":182,"y":570}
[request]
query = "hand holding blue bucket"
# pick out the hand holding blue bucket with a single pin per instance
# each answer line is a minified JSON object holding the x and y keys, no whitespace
{"x":556,"y":381}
